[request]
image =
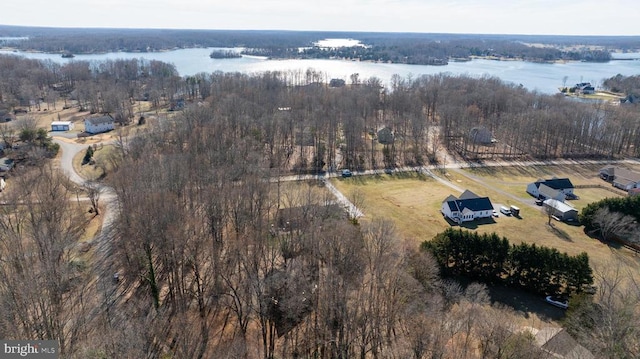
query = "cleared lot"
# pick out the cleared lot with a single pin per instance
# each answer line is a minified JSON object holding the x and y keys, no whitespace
{"x":413,"y":203}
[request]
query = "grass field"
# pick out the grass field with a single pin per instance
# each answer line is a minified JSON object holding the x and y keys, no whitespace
{"x":514,"y":180}
{"x":413,"y":203}
{"x":93,"y":172}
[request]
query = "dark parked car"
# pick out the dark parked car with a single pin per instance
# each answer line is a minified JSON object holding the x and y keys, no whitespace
{"x":346,"y":173}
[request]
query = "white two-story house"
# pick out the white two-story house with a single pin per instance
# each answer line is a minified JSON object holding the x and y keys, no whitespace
{"x":468,"y":207}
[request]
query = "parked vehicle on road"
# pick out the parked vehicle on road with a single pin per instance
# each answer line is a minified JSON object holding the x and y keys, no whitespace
{"x":346,"y":173}
{"x":557,"y":301}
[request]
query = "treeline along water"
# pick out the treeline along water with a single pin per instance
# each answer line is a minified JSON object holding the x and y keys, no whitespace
{"x":542,"y":77}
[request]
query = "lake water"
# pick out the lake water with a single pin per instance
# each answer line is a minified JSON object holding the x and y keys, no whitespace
{"x":545,"y":78}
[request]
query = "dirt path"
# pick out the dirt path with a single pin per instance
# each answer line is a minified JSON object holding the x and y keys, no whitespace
{"x":351,"y":209}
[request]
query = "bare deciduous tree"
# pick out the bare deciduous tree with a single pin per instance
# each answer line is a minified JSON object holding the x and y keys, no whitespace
{"x":94,"y":191}
{"x":613,"y":224}
{"x":44,"y":291}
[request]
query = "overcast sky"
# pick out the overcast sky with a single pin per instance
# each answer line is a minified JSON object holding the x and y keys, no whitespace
{"x":554,"y":17}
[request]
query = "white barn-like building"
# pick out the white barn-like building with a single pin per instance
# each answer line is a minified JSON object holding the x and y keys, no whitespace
{"x":61,"y":126}
{"x":99,"y":124}
{"x":551,"y":188}
{"x":561,"y":210}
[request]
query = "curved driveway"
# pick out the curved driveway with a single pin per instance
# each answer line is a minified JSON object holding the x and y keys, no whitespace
{"x":101,"y":242}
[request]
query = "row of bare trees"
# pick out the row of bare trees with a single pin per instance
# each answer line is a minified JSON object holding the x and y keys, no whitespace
{"x":99,"y":87}
{"x":331,"y":127}
{"x":44,"y":286}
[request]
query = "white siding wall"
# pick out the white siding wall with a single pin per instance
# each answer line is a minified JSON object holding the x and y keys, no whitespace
{"x":103,"y":127}
{"x":445,"y":210}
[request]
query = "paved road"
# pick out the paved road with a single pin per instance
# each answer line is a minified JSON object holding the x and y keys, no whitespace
{"x":69,"y":151}
{"x":429,"y":171}
{"x":102,"y":241}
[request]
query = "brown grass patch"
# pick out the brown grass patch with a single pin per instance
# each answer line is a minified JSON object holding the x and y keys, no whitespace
{"x":100,"y":168}
{"x":413,"y":204}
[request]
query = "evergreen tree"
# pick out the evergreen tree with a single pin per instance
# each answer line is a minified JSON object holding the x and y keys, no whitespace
{"x":88,"y":155}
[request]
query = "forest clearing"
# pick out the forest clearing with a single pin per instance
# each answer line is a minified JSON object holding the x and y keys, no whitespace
{"x":413,"y":203}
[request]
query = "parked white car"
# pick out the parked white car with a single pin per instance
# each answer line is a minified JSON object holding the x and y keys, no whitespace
{"x":557,"y":301}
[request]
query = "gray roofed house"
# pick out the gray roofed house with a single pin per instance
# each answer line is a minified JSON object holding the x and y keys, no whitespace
{"x":481,"y":135}
{"x":563,"y":185}
{"x":100,"y":124}
{"x":468,"y":195}
{"x":557,"y":342}
{"x":548,"y":192}
{"x":621,"y":177}
{"x":634,"y":192}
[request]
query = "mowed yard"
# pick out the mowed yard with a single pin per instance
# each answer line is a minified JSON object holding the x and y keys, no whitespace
{"x":413,"y":203}
{"x":515,"y":179}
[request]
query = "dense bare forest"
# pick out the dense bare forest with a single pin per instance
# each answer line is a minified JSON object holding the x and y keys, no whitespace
{"x":319,"y":127}
{"x":220,"y":258}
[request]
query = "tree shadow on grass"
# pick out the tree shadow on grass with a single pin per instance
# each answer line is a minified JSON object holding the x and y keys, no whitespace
{"x":524,"y":302}
{"x":559,"y":232}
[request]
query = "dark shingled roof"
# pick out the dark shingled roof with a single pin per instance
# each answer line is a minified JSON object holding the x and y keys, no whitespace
{"x":468,"y":200}
{"x":475,"y":204}
{"x":556,"y":183}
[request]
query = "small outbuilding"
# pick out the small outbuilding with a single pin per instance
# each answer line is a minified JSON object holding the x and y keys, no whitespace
{"x":481,"y":135}
{"x":561,"y":210}
{"x":6,"y":116}
{"x":61,"y":126}
{"x":385,"y":136}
